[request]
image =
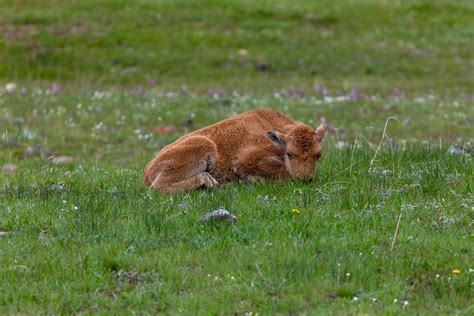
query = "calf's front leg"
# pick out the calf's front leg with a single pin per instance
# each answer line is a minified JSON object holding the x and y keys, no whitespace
{"x":260,"y":165}
{"x":264,"y":161}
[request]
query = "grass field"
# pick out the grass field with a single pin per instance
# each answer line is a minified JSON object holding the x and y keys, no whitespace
{"x":258,"y":45}
{"x":385,"y":228}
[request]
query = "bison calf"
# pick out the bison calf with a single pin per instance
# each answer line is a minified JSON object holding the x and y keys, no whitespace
{"x":255,"y":145}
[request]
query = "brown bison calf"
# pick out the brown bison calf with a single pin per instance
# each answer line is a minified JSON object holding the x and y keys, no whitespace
{"x":262,"y":144}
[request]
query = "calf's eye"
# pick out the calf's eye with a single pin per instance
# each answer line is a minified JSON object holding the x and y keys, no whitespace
{"x":290,"y":156}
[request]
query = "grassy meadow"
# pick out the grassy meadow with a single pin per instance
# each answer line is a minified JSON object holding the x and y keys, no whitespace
{"x":91,"y":90}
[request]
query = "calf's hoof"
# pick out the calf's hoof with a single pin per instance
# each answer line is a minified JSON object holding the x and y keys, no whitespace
{"x":207,"y":181}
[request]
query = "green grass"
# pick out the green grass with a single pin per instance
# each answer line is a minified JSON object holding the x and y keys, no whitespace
{"x":93,"y":239}
{"x":87,"y":237}
{"x":377,"y":45}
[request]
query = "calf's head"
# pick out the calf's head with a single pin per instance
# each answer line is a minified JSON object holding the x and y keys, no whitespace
{"x":301,"y":149}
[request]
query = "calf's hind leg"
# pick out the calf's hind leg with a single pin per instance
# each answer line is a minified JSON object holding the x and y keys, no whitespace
{"x":182,"y":166}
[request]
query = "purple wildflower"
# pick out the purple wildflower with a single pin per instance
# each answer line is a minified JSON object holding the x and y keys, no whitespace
{"x":398,"y":93}
{"x":325,"y":91}
{"x":54,"y":88}
{"x":215,"y":92}
{"x":353,"y":94}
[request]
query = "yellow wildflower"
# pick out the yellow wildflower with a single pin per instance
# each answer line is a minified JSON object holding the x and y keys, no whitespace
{"x":456,"y":271}
{"x":295,"y":211}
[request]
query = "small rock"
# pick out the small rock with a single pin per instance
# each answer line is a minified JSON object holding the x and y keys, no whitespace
{"x":220,"y":215}
{"x":263,"y":67}
{"x":36,"y":149}
{"x":29,"y":150}
{"x":389,"y":107}
{"x":13,"y":144}
{"x":3,"y":234}
{"x":56,"y":187}
{"x":187,"y":123}
{"x":459,"y":150}
{"x":9,"y":168}
{"x":61,"y":159}
{"x":19,"y":120}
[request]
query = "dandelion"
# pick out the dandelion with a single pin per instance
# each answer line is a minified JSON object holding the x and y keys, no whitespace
{"x":242,"y":53}
{"x":295,"y":211}
{"x":456,"y":271}
{"x":405,"y":303}
{"x":10,"y":87}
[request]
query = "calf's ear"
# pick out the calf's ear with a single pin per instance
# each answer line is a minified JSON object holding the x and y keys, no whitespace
{"x":276,"y":137}
{"x":320,"y":132}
